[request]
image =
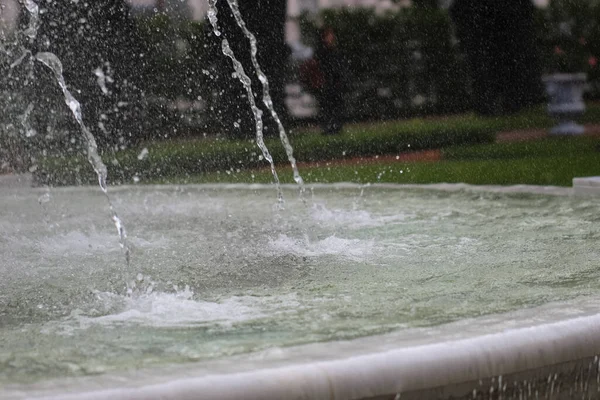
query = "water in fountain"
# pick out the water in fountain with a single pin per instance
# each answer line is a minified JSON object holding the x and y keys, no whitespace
{"x":346,"y":267}
{"x":352,"y":265}
{"x":52,"y":62}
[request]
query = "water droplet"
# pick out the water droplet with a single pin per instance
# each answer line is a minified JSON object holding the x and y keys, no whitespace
{"x":45,"y":198}
{"x":143,"y":154}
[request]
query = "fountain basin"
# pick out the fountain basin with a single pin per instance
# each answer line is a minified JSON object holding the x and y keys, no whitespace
{"x":362,"y":292}
{"x":535,"y":357}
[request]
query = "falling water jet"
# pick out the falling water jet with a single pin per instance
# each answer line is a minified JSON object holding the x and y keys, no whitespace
{"x":247,"y":84}
{"x":31,"y":33}
{"x":24,"y":119}
{"x":53,"y":63}
{"x":18,"y":62}
{"x":34,"y":19}
{"x":101,"y":79}
{"x":266,"y":94}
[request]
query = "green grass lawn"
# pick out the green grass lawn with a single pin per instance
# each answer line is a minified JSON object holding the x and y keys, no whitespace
{"x":466,"y":142}
{"x":545,"y":162}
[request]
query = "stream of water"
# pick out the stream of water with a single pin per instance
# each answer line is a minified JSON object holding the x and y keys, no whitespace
{"x":247,"y":84}
{"x":350,"y":265}
{"x":266,"y":95}
{"x":51,"y":61}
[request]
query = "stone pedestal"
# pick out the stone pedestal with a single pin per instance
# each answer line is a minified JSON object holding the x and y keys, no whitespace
{"x":565,"y":92}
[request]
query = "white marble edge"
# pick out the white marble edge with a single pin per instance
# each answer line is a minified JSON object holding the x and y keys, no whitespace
{"x":387,"y":372}
{"x":526,"y":189}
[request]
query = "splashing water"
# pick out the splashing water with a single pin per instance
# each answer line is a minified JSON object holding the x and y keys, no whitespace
{"x":53,"y":63}
{"x":31,"y":33}
{"x":34,"y":19}
{"x":101,"y":80}
{"x":268,"y":102}
{"x":104,"y":78}
{"x":212,"y":17}
{"x":29,"y":131}
{"x":18,"y":61}
{"x":247,"y":83}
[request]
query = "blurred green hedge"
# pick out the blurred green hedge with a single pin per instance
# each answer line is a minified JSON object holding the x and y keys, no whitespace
{"x":399,"y":64}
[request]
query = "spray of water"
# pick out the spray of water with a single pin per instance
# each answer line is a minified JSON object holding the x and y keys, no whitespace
{"x":101,"y":80}
{"x":266,"y":93}
{"x":34,"y":19}
{"x":53,"y":63}
{"x":31,"y":33}
{"x":247,"y":84}
{"x":29,"y":131}
{"x":104,"y":78}
{"x":18,"y":61}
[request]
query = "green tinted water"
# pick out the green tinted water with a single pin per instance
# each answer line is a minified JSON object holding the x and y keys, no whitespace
{"x":224,"y":272}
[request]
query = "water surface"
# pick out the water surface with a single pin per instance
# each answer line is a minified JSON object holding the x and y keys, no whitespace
{"x":224,"y":272}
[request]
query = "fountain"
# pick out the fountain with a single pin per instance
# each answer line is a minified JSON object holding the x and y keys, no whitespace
{"x":353,"y":292}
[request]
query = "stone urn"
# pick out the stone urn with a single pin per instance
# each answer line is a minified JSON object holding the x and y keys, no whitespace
{"x":565,"y":92}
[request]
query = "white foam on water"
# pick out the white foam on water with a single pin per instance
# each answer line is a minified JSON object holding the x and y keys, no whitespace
{"x":352,"y":249}
{"x":173,"y":310}
{"x":354,"y":218}
{"x":178,"y":309}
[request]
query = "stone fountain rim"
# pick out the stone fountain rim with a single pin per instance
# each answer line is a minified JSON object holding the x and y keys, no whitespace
{"x":537,"y":338}
{"x":363,"y":368}
{"x":450,"y":187}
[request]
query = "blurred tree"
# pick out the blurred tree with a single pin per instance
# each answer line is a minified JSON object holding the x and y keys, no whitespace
{"x":266,"y":19}
{"x":98,"y":46}
{"x":432,"y":4}
{"x":500,"y":44}
{"x":398,"y":64}
{"x":572,"y":35}
{"x":573,"y":40}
